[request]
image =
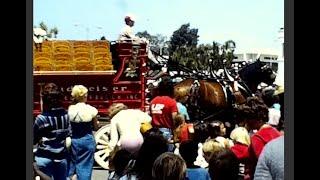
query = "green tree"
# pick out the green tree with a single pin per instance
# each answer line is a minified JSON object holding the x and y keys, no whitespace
{"x":144,"y":34}
{"x":183,"y":46}
{"x":183,"y":37}
{"x":157,"y":41}
{"x":228,"y":52}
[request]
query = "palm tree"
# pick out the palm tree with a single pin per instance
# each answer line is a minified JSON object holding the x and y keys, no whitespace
{"x":230,"y":44}
{"x":229,"y":47}
{"x":55,"y":31}
{"x":43,"y":26}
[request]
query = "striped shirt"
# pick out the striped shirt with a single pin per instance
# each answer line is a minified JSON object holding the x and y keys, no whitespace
{"x":50,"y":130}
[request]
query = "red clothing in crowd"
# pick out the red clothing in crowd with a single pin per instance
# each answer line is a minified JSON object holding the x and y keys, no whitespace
{"x":162,"y":108}
{"x":261,"y":138}
{"x":240,"y":150}
{"x":258,"y":141}
{"x":185,"y":132}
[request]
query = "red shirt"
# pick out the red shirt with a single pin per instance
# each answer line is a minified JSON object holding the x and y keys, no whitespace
{"x":258,"y":141}
{"x":162,"y":108}
{"x":184,"y":132}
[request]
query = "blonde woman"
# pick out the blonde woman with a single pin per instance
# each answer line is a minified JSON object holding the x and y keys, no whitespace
{"x":241,"y":139}
{"x":83,"y":119}
{"x":125,"y":127}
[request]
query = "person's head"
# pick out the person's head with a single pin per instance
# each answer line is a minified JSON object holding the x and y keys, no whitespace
{"x":211,"y":147}
{"x":277,"y":106}
{"x":169,"y":166}
{"x":240,"y":135}
{"x":181,"y":94}
{"x":121,"y":160}
{"x":216,"y":128}
{"x":200,"y":132}
{"x":153,"y":145}
{"x":51,"y":96}
{"x":189,"y":151}
{"x":79,"y":93}
{"x":152,"y":132}
{"x":254,"y":112}
{"x":179,"y":119}
{"x":165,"y":87}
{"x":129,"y":20}
{"x":224,"y":165}
{"x":115,"y":108}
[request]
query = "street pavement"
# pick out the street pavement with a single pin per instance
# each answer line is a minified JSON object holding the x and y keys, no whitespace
{"x":99,"y":173}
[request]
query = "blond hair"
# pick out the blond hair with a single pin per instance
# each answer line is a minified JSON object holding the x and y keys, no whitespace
{"x":79,"y":92}
{"x":115,"y":108}
{"x":241,"y":135}
{"x":211,"y":147}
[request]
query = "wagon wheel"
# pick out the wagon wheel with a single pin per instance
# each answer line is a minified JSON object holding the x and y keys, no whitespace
{"x":102,"y":137}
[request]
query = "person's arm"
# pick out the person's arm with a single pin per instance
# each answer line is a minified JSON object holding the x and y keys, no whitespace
{"x":95,"y":123}
{"x":37,"y":130}
{"x":176,"y":133}
{"x":262,"y":171}
{"x":174,"y":111}
{"x":144,"y":117}
{"x":257,"y":145}
{"x":40,"y":173}
{"x":113,"y":134}
{"x":128,"y":33}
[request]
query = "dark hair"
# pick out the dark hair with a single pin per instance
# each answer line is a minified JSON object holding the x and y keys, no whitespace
{"x":152,"y":147}
{"x":51,"y":97}
{"x":224,"y":165}
{"x":189,"y":151}
{"x":254,"y":109}
{"x":165,"y":87}
{"x":200,"y":132}
{"x":169,"y":166}
{"x":154,"y":131}
{"x":214,"y":129}
{"x":120,"y":161}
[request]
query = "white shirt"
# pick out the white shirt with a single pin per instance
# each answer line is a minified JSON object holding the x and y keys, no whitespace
{"x":127,"y":33}
{"x":274,"y":116}
{"x":82,"y":112}
{"x":127,"y":123}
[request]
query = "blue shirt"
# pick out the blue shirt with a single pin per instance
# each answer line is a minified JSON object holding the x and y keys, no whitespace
{"x":198,"y":174}
{"x":52,"y":128}
{"x":183,"y":110}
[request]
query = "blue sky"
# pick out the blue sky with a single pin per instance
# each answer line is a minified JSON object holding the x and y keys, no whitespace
{"x":252,"y":24}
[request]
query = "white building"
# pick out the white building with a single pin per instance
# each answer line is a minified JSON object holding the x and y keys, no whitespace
{"x":263,"y":54}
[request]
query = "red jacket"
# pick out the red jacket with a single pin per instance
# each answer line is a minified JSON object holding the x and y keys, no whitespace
{"x":240,"y":150}
{"x":258,"y":141}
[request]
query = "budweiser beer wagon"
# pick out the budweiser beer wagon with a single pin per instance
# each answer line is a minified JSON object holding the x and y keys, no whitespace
{"x":112,"y":72}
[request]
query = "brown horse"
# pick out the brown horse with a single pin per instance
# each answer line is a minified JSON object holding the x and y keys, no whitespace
{"x":207,"y":98}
